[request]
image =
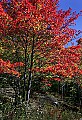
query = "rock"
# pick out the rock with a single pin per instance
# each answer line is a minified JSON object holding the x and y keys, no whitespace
{"x":7,"y":94}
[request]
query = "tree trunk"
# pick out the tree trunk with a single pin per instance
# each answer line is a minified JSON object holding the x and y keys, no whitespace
{"x":30,"y":73}
{"x":25,"y":76}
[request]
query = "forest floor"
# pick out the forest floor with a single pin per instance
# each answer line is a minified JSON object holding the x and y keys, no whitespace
{"x":41,"y":107}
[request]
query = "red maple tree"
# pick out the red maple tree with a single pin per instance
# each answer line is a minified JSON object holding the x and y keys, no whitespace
{"x":43,"y":31}
{"x":50,"y":25}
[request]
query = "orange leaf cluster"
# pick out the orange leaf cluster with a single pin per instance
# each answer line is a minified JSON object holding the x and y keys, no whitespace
{"x":7,"y":67}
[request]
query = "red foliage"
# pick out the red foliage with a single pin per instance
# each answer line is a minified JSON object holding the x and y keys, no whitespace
{"x":7,"y":67}
{"x":42,"y":19}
